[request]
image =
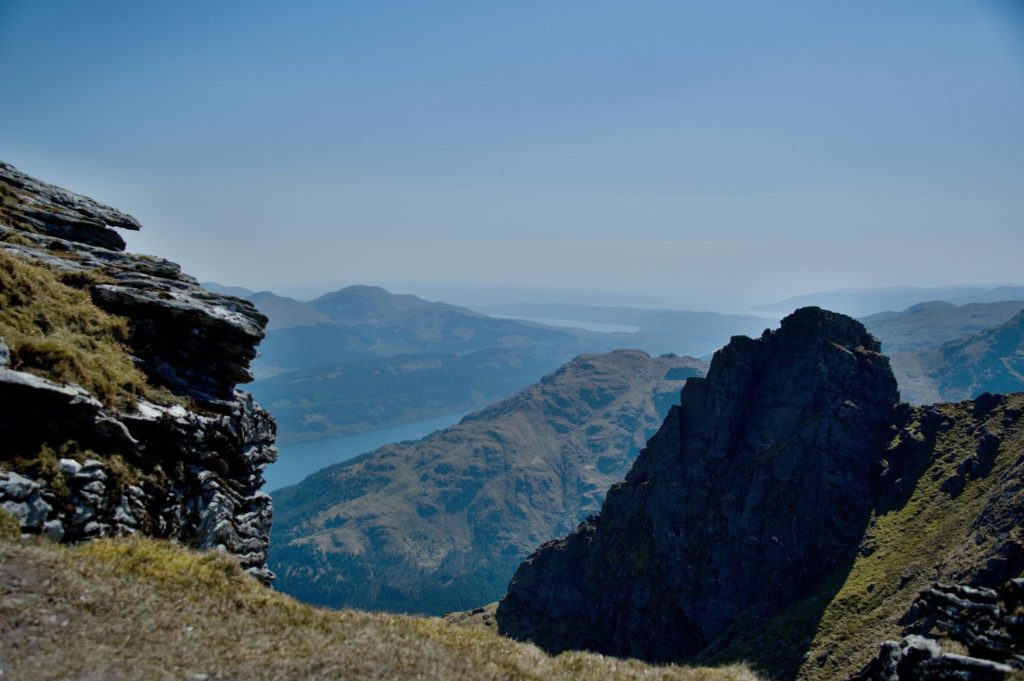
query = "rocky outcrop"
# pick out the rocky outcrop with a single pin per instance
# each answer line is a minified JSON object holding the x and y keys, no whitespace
{"x":44,"y":208}
{"x":187,"y":466}
{"x":989,"y":623}
{"x":755,"y":488}
{"x":196,"y":342}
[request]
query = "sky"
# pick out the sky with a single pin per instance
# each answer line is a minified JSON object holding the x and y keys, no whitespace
{"x":726,"y":153}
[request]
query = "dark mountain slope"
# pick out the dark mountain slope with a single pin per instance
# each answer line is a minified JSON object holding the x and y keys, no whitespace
{"x":928,"y":325}
{"x":989,"y":361}
{"x":752,"y":491}
{"x":787,"y":513}
{"x":440,"y":524}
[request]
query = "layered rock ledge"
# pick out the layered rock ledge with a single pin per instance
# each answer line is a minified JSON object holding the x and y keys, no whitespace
{"x":186,"y":466}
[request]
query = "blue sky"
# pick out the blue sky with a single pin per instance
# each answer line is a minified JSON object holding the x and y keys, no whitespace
{"x":730,"y":152}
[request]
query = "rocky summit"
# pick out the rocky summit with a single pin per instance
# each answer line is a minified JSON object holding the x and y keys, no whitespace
{"x":753,"y":489}
{"x":118,"y":407}
{"x":787,"y":513}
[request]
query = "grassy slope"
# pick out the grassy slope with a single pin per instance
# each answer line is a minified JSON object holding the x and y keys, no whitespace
{"x":927,"y":538}
{"x":136,"y":608}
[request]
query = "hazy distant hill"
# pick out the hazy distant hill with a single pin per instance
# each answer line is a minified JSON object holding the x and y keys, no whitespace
{"x":440,"y":524}
{"x":929,"y":325}
{"x":405,"y":323}
{"x":859,"y":303}
{"x":286,"y":312}
{"x":990,"y":361}
{"x":237,"y":291}
{"x":362,"y":358}
{"x":657,"y":330}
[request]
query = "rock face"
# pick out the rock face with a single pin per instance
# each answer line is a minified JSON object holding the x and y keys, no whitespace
{"x":188,"y":467}
{"x":756,"y":487}
{"x":988,"y":622}
{"x":46,"y":209}
{"x":440,"y":524}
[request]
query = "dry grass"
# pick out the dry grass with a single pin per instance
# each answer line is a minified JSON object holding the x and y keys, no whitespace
{"x":55,"y":331}
{"x":10,"y":528}
{"x":137,"y":608}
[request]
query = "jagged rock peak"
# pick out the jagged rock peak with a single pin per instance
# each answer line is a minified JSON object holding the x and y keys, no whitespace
{"x":814,"y":323}
{"x":41,"y":207}
{"x":754,"y":489}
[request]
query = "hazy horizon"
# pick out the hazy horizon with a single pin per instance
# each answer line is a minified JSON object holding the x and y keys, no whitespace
{"x":727,"y":155}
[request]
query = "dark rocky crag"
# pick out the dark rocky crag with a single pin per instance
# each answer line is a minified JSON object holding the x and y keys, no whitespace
{"x":786,"y":513}
{"x":183,"y":460}
{"x":755,"y":487}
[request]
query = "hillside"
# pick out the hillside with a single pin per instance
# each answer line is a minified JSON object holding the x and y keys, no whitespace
{"x":440,"y":524}
{"x":787,"y":513}
{"x":137,"y":609}
{"x":928,"y":325}
{"x":989,"y":361}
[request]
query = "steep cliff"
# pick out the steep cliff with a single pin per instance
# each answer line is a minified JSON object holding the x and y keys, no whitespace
{"x":118,"y":407}
{"x":440,"y":524}
{"x":788,"y":512}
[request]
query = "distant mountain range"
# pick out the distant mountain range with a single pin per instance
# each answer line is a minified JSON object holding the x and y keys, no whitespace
{"x":440,"y":524}
{"x":656,"y":330}
{"x":861,"y":302}
{"x":929,"y":325}
{"x":407,"y":359}
{"x":989,"y":361}
{"x":362,"y":358}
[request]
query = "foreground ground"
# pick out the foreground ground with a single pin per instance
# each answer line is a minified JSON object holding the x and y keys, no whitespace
{"x":133,"y":608}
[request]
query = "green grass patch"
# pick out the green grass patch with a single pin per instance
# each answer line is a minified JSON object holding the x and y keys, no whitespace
{"x":55,"y":331}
